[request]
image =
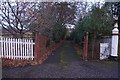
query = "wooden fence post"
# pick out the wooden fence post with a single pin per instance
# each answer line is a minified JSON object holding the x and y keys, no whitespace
{"x":86,"y":46}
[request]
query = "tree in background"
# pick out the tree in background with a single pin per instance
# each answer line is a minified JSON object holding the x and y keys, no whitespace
{"x":15,"y":17}
{"x":118,"y":13}
{"x":45,"y":18}
{"x":65,"y":13}
{"x":19,"y":17}
{"x":97,"y":23}
{"x":114,"y":8}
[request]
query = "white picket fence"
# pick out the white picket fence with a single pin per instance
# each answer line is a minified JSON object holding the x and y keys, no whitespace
{"x":12,"y":48}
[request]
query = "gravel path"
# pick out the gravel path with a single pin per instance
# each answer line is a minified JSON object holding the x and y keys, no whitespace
{"x":64,"y":63}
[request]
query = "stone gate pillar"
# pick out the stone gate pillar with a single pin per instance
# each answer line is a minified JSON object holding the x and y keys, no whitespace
{"x":115,"y":38}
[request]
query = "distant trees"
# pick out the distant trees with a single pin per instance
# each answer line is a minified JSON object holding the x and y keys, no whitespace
{"x":97,"y":23}
{"x":118,"y":13}
{"x":114,"y":8}
{"x":19,"y":17}
{"x":46,"y":18}
{"x":52,"y":18}
{"x":65,"y":13}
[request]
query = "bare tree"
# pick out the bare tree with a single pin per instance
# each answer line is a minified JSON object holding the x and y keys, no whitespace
{"x":16,"y":17}
{"x":19,"y":17}
{"x":44,"y":14}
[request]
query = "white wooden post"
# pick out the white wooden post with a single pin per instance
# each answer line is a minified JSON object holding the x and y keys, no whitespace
{"x":11,"y":52}
{"x":114,"y":48}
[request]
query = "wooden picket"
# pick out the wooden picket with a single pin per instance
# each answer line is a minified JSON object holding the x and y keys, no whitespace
{"x":12,"y":48}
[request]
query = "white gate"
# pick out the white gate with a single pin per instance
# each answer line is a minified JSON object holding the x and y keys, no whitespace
{"x":104,"y":50}
{"x":13,"y":48}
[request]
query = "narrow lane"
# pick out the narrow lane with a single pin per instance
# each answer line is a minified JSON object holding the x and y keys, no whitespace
{"x":65,"y":53}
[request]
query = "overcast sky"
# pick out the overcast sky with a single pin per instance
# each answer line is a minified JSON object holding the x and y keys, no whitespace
{"x":55,"y":0}
{"x":64,"y":0}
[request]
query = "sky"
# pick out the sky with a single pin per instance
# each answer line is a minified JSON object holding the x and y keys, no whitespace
{"x":93,"y":1}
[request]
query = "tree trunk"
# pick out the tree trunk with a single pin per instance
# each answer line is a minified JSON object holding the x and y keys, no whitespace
{"x":21,"y":34}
